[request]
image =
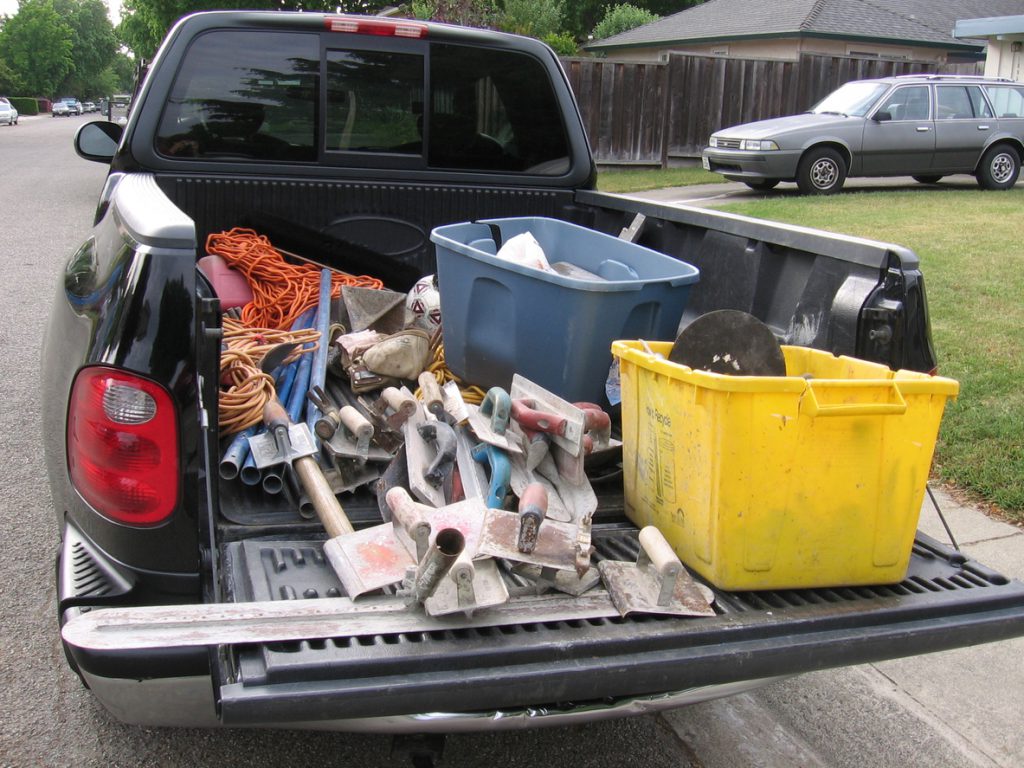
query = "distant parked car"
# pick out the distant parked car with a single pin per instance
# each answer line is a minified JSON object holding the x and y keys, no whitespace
{"x":88,"y":107}
{"x":73,"y":104}
{"x":8,"y":114}
{"x":925,"y":126}
{"x":60,"y":109}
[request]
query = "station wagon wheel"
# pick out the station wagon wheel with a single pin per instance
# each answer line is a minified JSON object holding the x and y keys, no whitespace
{"x":999,"y":168}
{"x":822,"y":171}
{"x":930,"y":179}
{"x":763,"y":185}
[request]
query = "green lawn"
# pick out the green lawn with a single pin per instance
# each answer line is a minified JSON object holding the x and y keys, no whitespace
{"x":626,"y":180}
{"x":969,"y":243}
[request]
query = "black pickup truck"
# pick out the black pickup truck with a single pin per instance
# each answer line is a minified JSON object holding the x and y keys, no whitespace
{"x":253,"y":119}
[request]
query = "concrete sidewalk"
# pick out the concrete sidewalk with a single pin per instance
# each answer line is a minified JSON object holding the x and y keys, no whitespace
{"x":955,"y":708}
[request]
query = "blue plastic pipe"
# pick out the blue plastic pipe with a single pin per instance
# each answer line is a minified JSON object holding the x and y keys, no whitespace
{"x":237,"y":452}
{"x":318,"y":377}
{"x":249,"y":474}
{"x":297,"y":397}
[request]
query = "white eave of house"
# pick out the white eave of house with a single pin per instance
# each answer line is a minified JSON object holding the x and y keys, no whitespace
{"x":992,"y":27}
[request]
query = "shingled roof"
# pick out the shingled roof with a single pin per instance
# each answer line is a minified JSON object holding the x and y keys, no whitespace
{"x":917,"y":22}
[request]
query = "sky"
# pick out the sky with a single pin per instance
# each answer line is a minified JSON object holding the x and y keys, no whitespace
{"x":10,"y":7}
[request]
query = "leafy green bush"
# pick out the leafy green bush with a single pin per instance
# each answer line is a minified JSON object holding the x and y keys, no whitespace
{"x":622,"y":18}
{"x":536,"y":18}
{"x":562,"y":43}
{"x":24,"y":105}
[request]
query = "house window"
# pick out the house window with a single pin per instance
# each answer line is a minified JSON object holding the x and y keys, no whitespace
{"x":888,"y":55}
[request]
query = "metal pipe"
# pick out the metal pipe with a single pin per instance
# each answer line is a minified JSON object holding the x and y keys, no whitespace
{"x":441,"y":556}
{"x":326,"y":504}
{"x":273,"y":479}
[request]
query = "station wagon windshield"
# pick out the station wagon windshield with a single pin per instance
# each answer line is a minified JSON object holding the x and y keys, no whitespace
{"x":851,"y":99}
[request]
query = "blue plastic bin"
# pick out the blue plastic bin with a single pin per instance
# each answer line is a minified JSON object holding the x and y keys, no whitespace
{"x":500,"y":318}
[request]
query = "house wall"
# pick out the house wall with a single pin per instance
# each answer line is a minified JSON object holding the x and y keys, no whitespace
{"x":1002,"y":61}
{"x":786,"y":49}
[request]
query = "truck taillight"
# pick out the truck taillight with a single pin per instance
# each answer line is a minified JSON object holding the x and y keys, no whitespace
{"x":122,"y":445}
{"x":366,"y":25}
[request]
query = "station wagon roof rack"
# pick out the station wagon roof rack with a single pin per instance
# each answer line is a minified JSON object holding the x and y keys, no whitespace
{"x":940,"y":76}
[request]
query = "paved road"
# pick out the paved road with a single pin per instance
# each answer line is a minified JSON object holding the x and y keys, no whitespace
{"x":955,"y":709}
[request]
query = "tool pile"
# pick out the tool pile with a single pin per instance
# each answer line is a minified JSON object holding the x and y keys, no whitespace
{"x":484,"y":497}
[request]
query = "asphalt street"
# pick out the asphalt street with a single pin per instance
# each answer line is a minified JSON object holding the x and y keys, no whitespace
{"x":959,"y":708}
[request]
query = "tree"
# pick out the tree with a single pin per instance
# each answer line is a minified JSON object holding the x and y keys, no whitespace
{"x":93,"y":41}
{"x":471,"y":13}
{"x":118,"y":77}
{"x":38,"y":44}
{"x":9,"y":82}
{"x":581,"y":16}
{"x":144,"y":23}
{"x":622,"y":18}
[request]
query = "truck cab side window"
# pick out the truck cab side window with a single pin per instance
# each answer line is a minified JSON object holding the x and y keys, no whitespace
{"x":244,"y":95}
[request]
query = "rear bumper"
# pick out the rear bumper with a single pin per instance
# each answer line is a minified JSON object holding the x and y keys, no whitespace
{"x":190,"y":702}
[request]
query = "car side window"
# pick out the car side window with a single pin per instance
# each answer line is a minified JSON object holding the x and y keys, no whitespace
{"x":978,"y":103}
{"x":908,"y":103}
{"x":245,"y":95}
{"x":1007,"y":100}
{"x":960,"y":102}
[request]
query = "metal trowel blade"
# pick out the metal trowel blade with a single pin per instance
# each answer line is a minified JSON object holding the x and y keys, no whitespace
{"x":633,"y":590}
{"x":369,"y":559}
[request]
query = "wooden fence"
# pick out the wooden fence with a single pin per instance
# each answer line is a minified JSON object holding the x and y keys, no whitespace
{"x":653,"y":113}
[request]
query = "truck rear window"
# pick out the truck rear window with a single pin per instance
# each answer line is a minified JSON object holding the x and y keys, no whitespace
{"x":254,"y":95}
{"x":244,"y":95}
{"x":493,"y":110}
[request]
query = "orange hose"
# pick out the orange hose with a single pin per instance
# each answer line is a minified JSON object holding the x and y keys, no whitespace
{"x":281,"y":291}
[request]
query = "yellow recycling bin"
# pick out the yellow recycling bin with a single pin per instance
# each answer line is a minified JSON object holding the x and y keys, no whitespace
{"x":813,"y":479}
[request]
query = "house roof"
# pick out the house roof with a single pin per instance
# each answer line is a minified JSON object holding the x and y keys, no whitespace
{"x":917,"y":22}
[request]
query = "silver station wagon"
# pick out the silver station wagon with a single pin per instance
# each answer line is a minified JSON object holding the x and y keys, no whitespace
{"x":925,"y":126}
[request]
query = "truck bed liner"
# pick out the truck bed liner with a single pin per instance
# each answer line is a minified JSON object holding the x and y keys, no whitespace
{"x":945,"y":601}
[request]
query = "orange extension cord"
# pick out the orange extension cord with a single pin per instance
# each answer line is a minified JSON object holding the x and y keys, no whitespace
{"x":281,"y":291}
{"x":245,"y":389}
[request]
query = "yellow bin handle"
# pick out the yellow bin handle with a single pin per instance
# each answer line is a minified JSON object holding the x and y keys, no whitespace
{"x":810,"y":405}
